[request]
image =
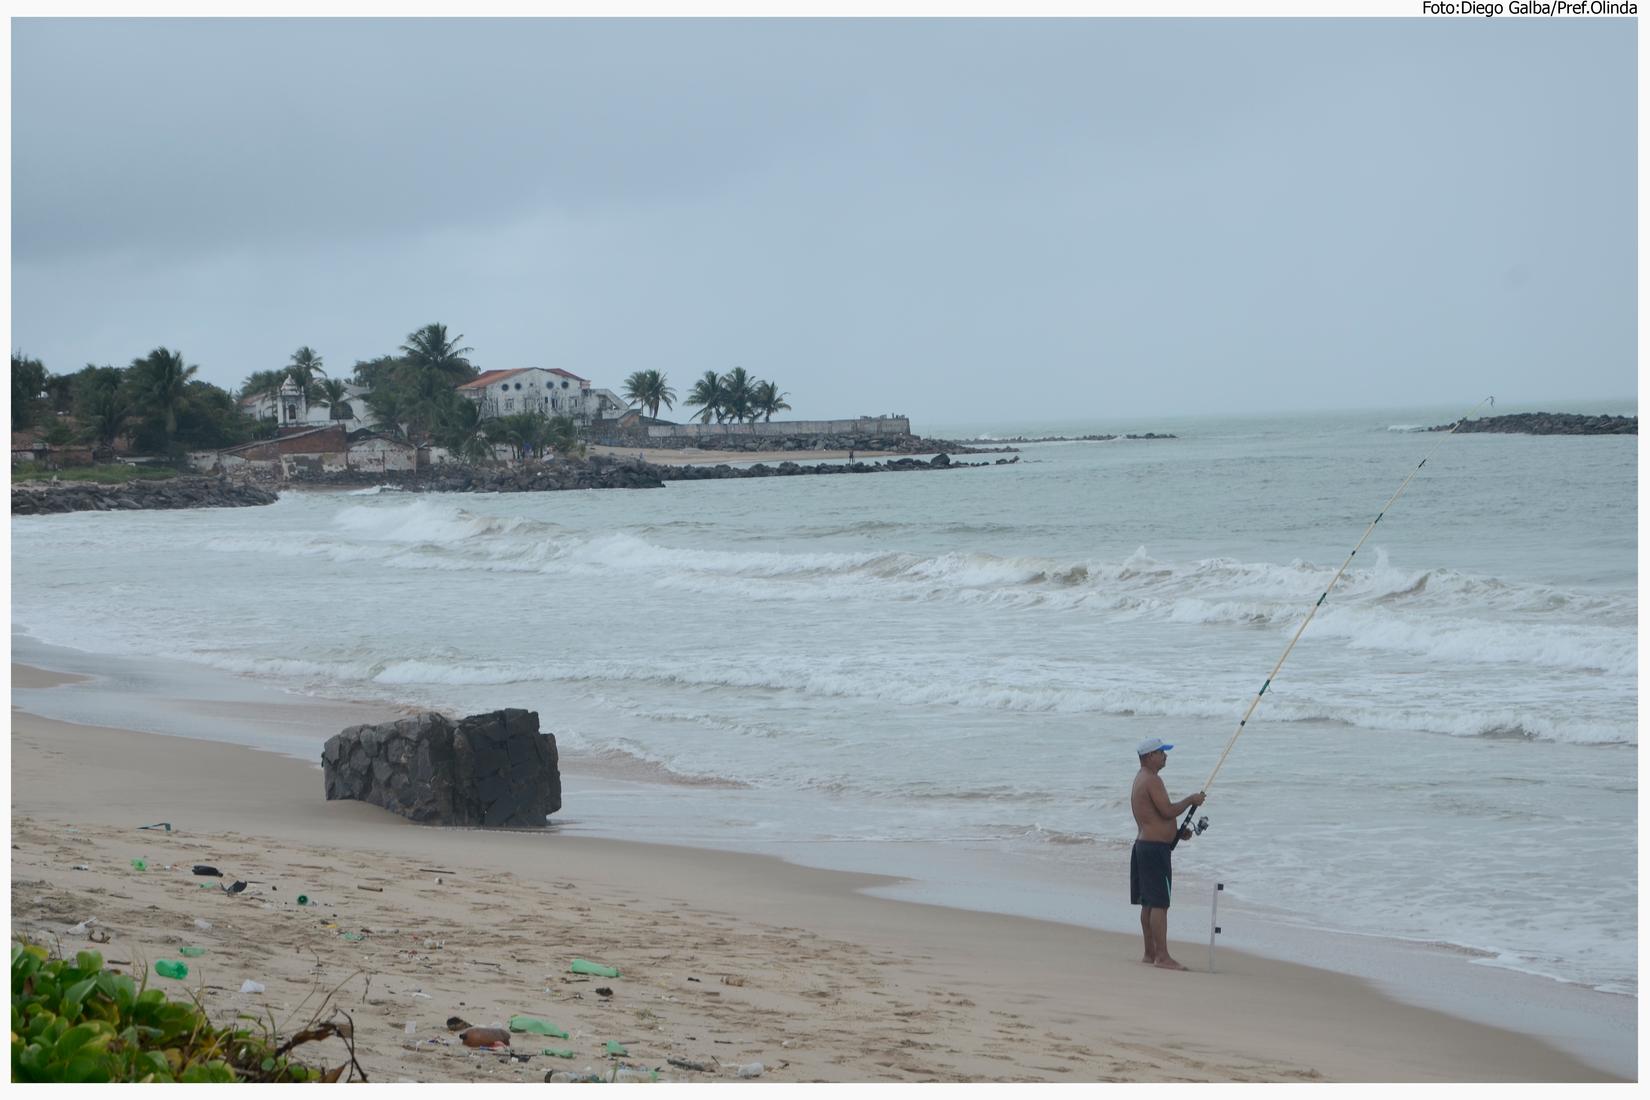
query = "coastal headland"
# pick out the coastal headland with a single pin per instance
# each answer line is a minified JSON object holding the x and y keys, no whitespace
{"x":726,"y":961}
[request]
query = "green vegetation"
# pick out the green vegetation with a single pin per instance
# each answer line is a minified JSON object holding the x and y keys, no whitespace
{"x":735,"y":396}
{"x":649,"y":389}
{"x":107,"y":475}
{"x":79,"y":1021}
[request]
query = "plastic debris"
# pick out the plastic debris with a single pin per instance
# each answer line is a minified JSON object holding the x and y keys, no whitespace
{"x":82,"y":867}
{"x":80,"y":929}
{"x":562,"y":1077}
{"x":751,"y":1069}
{"x":604,"y":991}
{"x":630,"y":1073}
{"x":455,"y":1023}
{"x":167,"y":968}
{"x":411,"y":1028}
{"x":615,"y":1048}
{"x":140,"y":865}
{"x":203,"y":869}
{"x":303,"y":899}
{"x":683,"y":1063}
{"x":536,"y":1026}
{"x":584,"y":966}
{"x":552,"y":1052}
{"x":353,"y":937}
{"x":250,"y":986}
{"x":203,"y":925}
{"x":191,"y":952}
{"x":235,"y":888}
{"x":167,"y":825}
{"x":485,"y":1037}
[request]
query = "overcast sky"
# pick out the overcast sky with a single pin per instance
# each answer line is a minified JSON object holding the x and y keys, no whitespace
{"x":960,"y":221}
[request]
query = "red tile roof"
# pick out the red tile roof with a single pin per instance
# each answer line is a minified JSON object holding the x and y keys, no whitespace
{"x":487,"y":376}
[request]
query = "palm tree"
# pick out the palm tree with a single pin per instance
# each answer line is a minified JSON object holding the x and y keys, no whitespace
{"x":767,"y":400}
{"x":463,"y":430}
{"x":103,"y":413}
{"x":562,"y":437}
{"x":334,"y":394}
{"x":262,"y":383}
{"x":429,"y":349}
{"x":737,"y":394}
{"x":707,"y":397}
{"x":305,"y":366}
{"x":649,"y":389}
{"x":160,"y":379}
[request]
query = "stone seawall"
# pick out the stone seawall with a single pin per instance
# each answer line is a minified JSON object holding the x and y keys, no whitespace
{"x":41,"y":498}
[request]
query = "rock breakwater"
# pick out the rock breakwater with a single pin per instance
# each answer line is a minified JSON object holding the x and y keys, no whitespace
{"x":1542,"y":423}
{"x":42,"y":498}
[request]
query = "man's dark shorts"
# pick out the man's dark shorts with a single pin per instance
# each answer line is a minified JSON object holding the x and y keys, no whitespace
{"x":1149,"y":874}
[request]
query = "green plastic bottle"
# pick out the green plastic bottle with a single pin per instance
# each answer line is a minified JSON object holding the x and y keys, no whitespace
{"x":582,"y":966}
{"x":167,"y":968}
{"x":191,"y":952}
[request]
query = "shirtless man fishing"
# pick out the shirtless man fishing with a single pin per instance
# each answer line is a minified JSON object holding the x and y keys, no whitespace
{"x":1149,"y":864}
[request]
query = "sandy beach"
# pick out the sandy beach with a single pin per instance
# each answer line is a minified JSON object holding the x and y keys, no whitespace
{"x":726,"y":960}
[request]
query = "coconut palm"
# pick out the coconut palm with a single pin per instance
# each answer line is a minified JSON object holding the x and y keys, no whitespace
{"x":263,"y":383}
{"x":334,"y":394}
{"x":707,"y":397}
{"x":737,"y":387}
{"x":159,"y":382}
{"x":103,"y":411}
{"x":649,"y":389}
{"x":767,"y":400}
{"x":304,"y":368}
{"x":463,"y":430}
{"x":562,"y":437}
{"x":429,"y":348}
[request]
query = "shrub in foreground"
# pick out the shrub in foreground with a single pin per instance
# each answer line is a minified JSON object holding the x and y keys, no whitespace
{"x":76,"y":1020}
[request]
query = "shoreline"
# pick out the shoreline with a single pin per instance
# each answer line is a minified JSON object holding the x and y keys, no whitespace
{"x":992,"y":959}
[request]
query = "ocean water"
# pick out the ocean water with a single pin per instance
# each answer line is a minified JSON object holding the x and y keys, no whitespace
{"x":963,"y":661}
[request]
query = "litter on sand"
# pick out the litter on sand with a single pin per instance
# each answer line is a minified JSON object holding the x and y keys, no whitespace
{"x":584,"y":966}
{"x":535,"y":1026}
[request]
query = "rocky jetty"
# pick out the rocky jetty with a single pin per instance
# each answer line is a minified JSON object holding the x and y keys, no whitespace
{"x":493,"y":769}
{"x":1543,"y":423}
{"x":610,"y":472}
{"x":34,"y":498}
{"x":1071,"y":438}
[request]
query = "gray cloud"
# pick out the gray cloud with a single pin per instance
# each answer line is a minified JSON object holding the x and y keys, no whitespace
{"x":952,"y":219}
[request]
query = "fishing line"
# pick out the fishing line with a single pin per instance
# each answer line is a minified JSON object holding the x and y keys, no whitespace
{"x":1255,"y":702}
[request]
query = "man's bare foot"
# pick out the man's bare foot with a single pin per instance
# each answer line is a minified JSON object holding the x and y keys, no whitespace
{"x":1166,"y":963}
{"x":1148,"y":960}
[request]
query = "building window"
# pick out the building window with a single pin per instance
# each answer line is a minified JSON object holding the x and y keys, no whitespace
{"x":518,"y":385}
{"x":564,"y":384}
{"x":292,"y":412}
{"x":509,"y":403}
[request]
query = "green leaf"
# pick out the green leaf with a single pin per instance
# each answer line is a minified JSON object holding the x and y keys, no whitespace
{"x":75,"y":995}
{"x":88,"y":962}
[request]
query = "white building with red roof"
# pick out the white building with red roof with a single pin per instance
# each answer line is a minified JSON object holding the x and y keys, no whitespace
{"x":548,"y":390}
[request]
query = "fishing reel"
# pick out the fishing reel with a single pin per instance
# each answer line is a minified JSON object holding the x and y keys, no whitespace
{"x":1197,"y":829}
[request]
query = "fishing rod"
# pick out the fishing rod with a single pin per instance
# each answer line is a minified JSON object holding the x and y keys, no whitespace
{"x":1203,"y":823}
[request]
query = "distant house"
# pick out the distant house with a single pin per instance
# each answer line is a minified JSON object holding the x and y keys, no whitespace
{"x":371,"y":452}
{"x":548,"y":390}
{"x":293,"y":411}
{"x":322,"y":450}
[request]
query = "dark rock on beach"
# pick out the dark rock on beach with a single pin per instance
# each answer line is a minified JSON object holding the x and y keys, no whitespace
{"x":1543,"y":423}
{"x":39,"y":498}
{"x":493,"y":769}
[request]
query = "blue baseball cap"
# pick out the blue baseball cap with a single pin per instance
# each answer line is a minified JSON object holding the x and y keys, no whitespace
{"x":1151,"y":745}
